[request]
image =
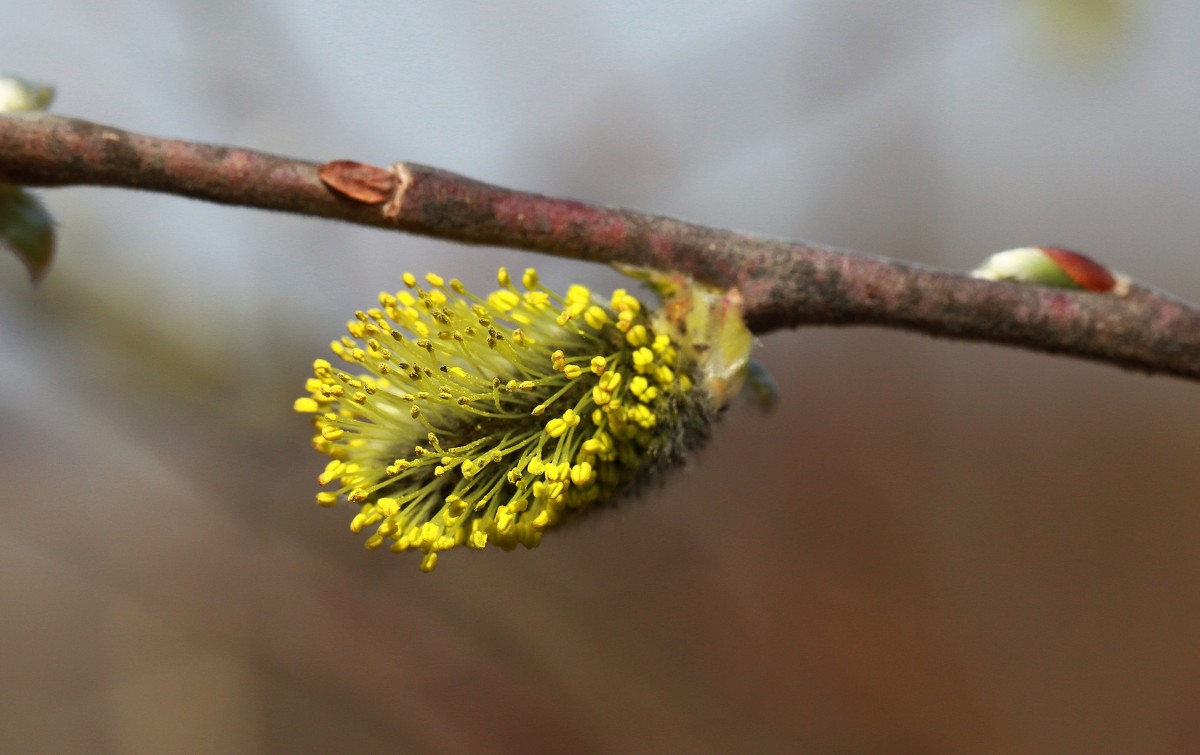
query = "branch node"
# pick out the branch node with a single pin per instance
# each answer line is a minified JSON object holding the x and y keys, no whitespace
{"x":403,"y":179}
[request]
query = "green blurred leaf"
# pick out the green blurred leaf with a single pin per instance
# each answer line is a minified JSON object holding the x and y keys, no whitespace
{"x":1083,"y":29}
{"x":26,"y":229}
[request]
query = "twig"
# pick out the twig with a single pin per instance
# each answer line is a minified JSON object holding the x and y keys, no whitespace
{"x":783,"y":283}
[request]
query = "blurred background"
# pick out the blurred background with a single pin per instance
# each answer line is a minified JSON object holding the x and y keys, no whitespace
{"x":928,"y":547}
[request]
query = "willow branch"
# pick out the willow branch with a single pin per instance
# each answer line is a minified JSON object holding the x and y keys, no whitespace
{"x":783,"y":283}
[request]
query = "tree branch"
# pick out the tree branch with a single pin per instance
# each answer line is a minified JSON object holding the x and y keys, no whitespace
{"x":783,"y":283}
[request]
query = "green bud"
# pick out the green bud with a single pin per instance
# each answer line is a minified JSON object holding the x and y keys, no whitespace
{"x":1047,"y":266}
{"x":18,"y":95}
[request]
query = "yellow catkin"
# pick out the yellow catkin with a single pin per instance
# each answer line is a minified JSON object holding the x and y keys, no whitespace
{"x":434,"y":422}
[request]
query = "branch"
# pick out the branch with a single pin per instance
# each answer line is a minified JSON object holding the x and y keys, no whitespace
{"x":783,"y":283}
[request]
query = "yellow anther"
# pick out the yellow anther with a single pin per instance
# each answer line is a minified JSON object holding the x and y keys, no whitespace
{"x":599,"y":364}
{"x":504,"y":300}
{"x":409,"y":279}
{"x":326,"y":498}
{"x":581,"y":474}
{"x":502,"y":277}
{"x":329,"y":432}
{"x":435,"y":279}
{"x":556,"y":428}
{"x":638,"y":336}
{"x":638,"y":385}
{"x":468,"y":469}
{"x":643,"y":359}
{"x":642,"y":415}
{"x":504,"y":519}
{"x":578,"y":294}
{"x":571,"y":418}
{"x":387,"y":506}
{"x":537,"y":299}
{"x":530,"y":278}
{"x":609,"y":381}
{"x":572,"y":371}
{"x":536,"y":466}
{"x":429,"y":562}
{"x":623,"y":301}
{"x":625,"y":321}
{"x":600,"y":396}
{"x":595,"y":317}
{"x":334,"y":470}
{"x":478,"y":539}
{"x":306,"y":405}
{"x":429,"y":535}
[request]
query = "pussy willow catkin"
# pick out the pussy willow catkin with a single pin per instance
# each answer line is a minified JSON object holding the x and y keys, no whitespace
{"x":475,"y":421}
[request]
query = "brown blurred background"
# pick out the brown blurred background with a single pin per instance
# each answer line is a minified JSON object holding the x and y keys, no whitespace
{"x":928,"y":547}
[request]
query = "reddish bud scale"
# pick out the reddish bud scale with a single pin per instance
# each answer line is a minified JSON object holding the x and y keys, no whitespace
{"x":362,"y":183}
{"x":1083,"y":270}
